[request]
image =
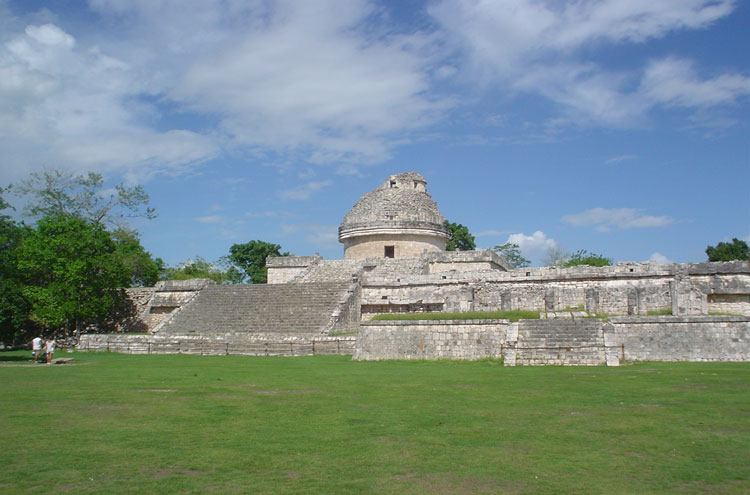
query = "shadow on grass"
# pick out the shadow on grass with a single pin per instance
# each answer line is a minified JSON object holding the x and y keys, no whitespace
{"x":15,"y":356}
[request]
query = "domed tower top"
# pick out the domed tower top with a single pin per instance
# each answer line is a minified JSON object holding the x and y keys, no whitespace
{"x":396,"y":220}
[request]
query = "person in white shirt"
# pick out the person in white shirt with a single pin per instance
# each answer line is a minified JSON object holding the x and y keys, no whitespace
{"x":36,"y":347}
{"x":50,"y":350}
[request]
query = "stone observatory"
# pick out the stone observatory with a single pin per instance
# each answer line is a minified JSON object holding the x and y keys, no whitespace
{"x":398,"y":219}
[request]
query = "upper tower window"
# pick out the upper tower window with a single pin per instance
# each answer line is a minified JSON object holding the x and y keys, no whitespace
{"x":393,"y":183}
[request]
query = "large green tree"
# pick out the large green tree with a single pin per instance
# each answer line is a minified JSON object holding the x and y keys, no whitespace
{"x":58,"y":193}
{"x":512,"y":254}
{"x":143,"y":268}
{"x":73,"y":272}
{"x":461,"y":238}
{"x":583,"y":257}
{"x":728,"y":251}
{"x":14,"y":307}
{"x":250,"y":259}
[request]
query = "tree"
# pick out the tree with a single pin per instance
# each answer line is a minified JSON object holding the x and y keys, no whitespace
{"x":555,"y":256}
{"x":196,"y":268}
{"x":583,"y":257}
{"x":250,"y":259}
{"x":73,"y":273}
{"x":512,"y":254}
{"x":725,"y":251}
{"x":14,"y":308}
{"x":461,"y":238}
{"x":56,"y":193}
{"x":143,"y":269}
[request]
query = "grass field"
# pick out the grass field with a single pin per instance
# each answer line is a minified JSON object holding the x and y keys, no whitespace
{"x":115,"y":424}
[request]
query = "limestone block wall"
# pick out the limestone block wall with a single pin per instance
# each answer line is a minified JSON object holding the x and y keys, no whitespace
{"x":733,"y":304}
{"x":431,"y":339}
{"x":405,"y":245}
{"x":561,"y":342}
{"x":681,"y":338}
{"x":465,"y":261}
{"x":611,"y":296}
{"x":282,"y":269}
{"x":250,"y":345}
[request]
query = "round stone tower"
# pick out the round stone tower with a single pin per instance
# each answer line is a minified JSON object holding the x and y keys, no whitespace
{"x":396,"y":220}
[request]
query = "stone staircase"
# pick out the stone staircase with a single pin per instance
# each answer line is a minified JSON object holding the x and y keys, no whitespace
{"x":560,"y":342}
{"x":279,"y":309}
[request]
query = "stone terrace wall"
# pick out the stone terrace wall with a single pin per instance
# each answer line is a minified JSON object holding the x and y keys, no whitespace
{"x":574,"y":342}
{"x":624,"y":289}
{"x":250,"y":345}
{"x":282,"y":269}
{"x":687,"y":338}
{"x":431,"y":339}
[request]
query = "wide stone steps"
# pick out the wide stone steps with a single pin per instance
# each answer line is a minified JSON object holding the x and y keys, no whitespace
{"x":262,"y":308}
{"x":561,"y":342}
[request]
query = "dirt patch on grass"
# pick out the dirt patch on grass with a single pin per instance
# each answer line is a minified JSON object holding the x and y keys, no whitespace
{"x":451,"y":484}
{"x":283,"y":392}
{"x":226,"y":396}
{"x":158,"y":390}
{"x":171,"y":472}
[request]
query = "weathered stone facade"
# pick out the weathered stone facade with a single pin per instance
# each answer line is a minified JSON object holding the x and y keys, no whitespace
{"x":395,"y":262}
{"x":585,"y":341}
{"x":396,"y":220}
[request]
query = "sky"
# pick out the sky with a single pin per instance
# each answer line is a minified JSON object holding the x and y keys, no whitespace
{"x":618,"y":127}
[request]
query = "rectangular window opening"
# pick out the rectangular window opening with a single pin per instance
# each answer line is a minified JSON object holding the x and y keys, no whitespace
{"x":390,"y":251}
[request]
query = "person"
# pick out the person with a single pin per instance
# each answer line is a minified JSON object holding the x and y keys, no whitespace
{"x":36,"y":348}
{"x":50,"y":350}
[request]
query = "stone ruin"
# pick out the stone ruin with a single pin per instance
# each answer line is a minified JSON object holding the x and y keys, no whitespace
{"x":395,"y":262}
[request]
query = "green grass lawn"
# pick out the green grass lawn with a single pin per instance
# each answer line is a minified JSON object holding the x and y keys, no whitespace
{"x":116,"y":424}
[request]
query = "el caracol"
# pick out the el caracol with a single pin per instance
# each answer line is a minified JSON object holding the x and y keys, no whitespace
{"x":394,"y":262}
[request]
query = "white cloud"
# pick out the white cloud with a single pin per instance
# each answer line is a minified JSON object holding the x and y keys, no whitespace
{"x":210,"y":219}
{"x":620,"y":158}
{"x":659,"y":259}
{"x":605,"y":219}
{"x":304,"y":191}
{"x":544,"y":48}
{"x":532,"y":245}
{"x":69,"y":106}
{"x":673,"y":82}
{"x":324,"y":82}
{"x":307,"y":79}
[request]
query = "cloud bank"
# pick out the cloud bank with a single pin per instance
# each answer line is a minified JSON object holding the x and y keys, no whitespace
{"x":159,"y":87}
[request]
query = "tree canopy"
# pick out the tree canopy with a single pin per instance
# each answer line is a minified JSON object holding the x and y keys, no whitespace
{"x":13,"y":305}
{"x":728,"y":251}
{"x":72,"y":272}
{"x":143,"y":268}
{"x":461,"y":238}
{"x":512,"y":254}
{"x":250,"y":259}
{"x":67,"y":270}
{"x":555,"y":255}
{"x":196,"y":268}
{"x":583,"y":257}
{"x":57,"y":193}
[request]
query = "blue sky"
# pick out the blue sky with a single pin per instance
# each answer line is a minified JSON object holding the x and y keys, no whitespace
{"x":620,"y":127}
